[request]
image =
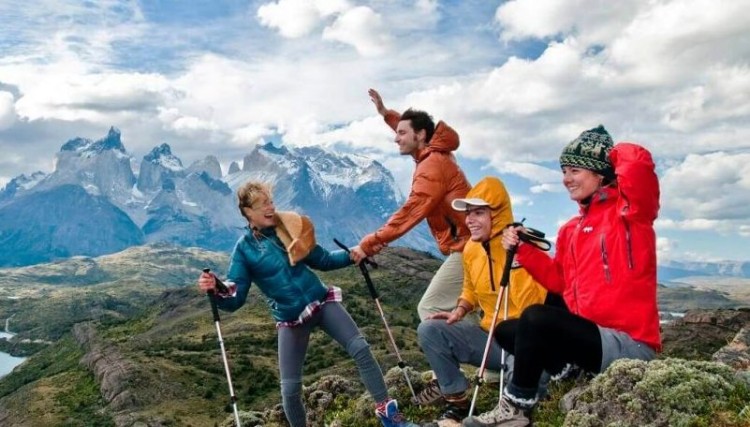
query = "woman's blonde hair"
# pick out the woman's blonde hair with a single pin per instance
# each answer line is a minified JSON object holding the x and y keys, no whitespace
{"x":250,"y":192}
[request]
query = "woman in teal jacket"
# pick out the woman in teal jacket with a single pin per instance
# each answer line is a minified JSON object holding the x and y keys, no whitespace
{"x":276,"y":253}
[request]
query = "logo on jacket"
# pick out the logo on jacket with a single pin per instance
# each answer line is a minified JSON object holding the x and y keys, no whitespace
{"x":588,"y":229}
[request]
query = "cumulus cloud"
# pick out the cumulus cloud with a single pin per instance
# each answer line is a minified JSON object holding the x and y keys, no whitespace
{"x":531,"y":171}
{"x":713,"y":186}
{"x":7,"y":110}
{"x":81,"y":96}
{"x":362,"y":28}
{"x":664,"y":248}
{"x":297,"y":18}
{"x":597,"y":22}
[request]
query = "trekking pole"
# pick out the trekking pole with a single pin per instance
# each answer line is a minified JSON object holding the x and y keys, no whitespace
{"x":374,"y":295}
{"x":504,"y":284}
{"x":217,"y":321}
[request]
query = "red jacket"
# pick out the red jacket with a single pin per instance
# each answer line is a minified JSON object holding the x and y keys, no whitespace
{"x":436,"y":182}
{"x":605,"y":260}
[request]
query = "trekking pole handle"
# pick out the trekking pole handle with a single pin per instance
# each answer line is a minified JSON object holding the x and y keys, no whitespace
{"x":346,"y":248}
{"x":509,"y":255}
{"x":363,"y":269}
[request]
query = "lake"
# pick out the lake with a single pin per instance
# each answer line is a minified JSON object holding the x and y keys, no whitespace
{"x":8,"y":362}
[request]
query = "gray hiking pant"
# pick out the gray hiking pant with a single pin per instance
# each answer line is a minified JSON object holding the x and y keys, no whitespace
{"x":335,"y":321}
{"x":446,"y":346}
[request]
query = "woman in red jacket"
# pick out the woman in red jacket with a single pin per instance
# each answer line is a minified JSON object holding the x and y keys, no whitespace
{"x":604,"y":267}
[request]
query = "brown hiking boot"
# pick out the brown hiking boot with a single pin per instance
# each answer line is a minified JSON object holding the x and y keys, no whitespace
{"x":430,"y":395}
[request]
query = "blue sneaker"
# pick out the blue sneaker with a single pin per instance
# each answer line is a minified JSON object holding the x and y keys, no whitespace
{"x":389,"y":415}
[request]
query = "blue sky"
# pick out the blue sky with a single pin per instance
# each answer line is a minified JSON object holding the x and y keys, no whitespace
{"x":517,"y":79}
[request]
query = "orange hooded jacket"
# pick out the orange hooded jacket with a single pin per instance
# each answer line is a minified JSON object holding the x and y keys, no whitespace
{"x":437,"y":180}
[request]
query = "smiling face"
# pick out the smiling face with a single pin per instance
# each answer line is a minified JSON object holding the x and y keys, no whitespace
{"x":580,"y":183}
{"x":407,"y":139}
{"x":256,"y":205}
{"x":261,"y":214}
{"x":479,"y":222}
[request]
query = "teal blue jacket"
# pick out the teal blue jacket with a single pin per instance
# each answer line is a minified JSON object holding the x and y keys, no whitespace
{"x":288,"y":289}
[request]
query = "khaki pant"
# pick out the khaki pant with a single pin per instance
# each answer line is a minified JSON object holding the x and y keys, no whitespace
{"x":444,"y":289}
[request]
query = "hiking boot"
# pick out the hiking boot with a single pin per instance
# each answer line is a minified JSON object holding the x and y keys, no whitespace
{"x":503,"y":415}
{"x":390,"y":416}
{"x":430,"y":395}
{"x":452,"y":416}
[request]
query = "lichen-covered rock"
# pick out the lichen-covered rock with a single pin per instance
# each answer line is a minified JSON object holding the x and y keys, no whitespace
{"x":669,"y":392}
{"x":737,"y":353}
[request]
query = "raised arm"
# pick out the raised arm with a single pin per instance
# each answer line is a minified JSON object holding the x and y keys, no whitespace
{"x":391,"y":117}
{"x":636,"y":181}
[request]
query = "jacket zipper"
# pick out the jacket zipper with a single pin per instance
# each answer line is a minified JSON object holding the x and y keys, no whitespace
{"x":605,"y":260}
{"x":629,"y":245}
{"x":575,"y":263}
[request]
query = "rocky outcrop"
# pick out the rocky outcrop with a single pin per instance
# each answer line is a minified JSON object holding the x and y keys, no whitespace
{"x":737,"y":353}
{"x":700,"y":333}
{"x":112,"y":370}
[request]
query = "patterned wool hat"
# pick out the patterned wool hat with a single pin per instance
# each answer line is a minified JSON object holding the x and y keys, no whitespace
{"x":590,"y":151}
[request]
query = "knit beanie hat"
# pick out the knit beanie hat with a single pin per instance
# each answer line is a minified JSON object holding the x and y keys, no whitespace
{"x":590,"y":151}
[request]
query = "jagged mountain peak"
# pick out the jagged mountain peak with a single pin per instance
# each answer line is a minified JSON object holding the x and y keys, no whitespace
{"x":269,"y":147}
{"x":209,"y":164}
{"x":87,"y":147}
{"x":162,"y":155}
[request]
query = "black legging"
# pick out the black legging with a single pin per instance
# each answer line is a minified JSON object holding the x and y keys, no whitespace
{"x":547,"y":337}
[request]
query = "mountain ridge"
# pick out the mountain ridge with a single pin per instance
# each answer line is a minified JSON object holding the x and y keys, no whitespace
{"x":346,"y":196}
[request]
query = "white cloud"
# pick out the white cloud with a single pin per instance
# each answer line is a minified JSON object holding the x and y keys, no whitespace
{"x":698,"y":224}
{"x":297,"y":18}
{"x":362,"y":28}
{"x":72,"y":94}
{"x":530,"y":171}
{"x":518,"y":199}
{"x":664,"y":248}
{"x":713,"y":186}
{"x":7,"y":110}
{"x":595,"y":21}
{"x":546,"y":188}
{"x":252,"y":133}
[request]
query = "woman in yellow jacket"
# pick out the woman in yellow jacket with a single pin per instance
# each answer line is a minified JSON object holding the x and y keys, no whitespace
{"x":446,"y":338}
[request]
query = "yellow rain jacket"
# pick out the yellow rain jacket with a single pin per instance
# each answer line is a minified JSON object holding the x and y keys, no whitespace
{"x":477,"y":288}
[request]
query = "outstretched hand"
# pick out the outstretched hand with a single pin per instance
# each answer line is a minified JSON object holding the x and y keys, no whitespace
{"x":378,"y":101}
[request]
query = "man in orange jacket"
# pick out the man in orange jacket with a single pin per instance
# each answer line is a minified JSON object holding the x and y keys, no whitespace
{"x":437,"y":181}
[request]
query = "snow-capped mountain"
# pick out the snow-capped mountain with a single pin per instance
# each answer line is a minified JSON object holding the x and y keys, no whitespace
{"x":96,"y":202}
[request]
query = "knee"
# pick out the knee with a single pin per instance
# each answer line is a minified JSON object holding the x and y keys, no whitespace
{"x":429,"y":331}
{"x":356,"y":346}
{"x":291,"y":387}
{"x":534,"y":315}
